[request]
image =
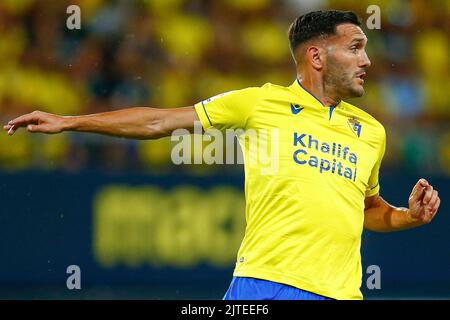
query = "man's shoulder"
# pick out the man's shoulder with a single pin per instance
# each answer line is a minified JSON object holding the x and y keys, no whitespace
{"x":255,"y":93}
{"x":251,"y":94}
{"x":271,"y":87}
{"x":276,"y":91}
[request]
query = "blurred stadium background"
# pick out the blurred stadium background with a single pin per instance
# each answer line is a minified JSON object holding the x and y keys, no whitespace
{"x":141,"y":227}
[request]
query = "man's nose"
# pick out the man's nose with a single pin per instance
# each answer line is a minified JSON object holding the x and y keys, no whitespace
{"x":365,"y":61}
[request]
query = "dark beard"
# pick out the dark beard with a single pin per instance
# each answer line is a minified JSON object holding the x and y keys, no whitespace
{"x":339,"y":82}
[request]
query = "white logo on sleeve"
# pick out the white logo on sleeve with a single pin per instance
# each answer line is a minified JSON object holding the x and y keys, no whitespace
{"x":217,"y":97}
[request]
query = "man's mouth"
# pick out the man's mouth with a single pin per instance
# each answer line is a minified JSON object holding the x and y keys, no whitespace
{"x":361,"y":76}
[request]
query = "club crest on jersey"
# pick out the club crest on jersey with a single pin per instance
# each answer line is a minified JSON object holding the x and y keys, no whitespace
{"x":355,"y":126}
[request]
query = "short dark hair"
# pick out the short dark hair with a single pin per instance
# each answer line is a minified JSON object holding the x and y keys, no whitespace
{"x":318,"y":23}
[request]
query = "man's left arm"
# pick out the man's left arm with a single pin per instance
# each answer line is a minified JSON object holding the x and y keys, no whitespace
{"x":381,"y":216}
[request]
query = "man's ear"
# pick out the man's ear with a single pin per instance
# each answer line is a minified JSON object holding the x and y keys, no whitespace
{"x":316,"y":57}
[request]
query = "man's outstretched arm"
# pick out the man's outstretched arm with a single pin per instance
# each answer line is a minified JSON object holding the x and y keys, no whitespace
{"x":423,"y":204}
{"x":136,"y":123}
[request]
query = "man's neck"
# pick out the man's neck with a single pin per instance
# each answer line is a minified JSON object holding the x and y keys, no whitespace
{"x":318,"y":89}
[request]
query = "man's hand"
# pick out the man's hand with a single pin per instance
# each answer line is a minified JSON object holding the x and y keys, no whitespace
{"x":37,"y":121}
{"x":423,"y":202}
{"x":381,"y":216}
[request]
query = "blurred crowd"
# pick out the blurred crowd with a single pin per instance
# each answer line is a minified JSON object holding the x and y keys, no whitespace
{"x":174,"y":53}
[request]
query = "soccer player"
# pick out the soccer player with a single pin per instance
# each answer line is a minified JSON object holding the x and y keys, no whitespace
{"x":304,"y":220}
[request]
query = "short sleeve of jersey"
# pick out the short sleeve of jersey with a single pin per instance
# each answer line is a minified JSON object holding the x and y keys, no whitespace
{"x":230,"y":110}
{"x":374,"y":183}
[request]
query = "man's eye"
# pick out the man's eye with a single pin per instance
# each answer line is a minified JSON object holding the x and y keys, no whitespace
{"x":353,"y":49}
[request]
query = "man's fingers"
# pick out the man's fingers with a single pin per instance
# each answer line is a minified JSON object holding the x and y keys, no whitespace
{"x":40,"y":128}
{"x":24,"y":120}
{"x":436,"y":206}
{"x":418,"y":190}
{"x":430,"y":212}
{"x":428,"y":195}
{"x":422,"y":182}
{"x":417,"y":194}
{"x":30,"y":128}
{"x":10,"y":129}
{"x":35,"y":128}
{"x":434,"y":202}
{"x":433,"y":199}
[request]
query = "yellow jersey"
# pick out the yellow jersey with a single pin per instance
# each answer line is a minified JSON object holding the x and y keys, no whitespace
{"x":304,"y":202}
